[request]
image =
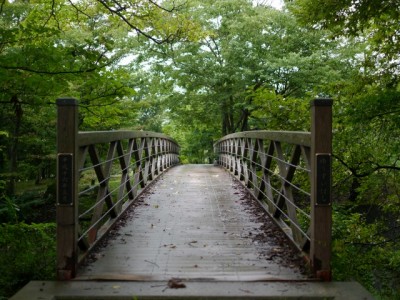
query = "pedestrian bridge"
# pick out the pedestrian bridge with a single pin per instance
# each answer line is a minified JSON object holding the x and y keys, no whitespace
{"x":132,"y":223}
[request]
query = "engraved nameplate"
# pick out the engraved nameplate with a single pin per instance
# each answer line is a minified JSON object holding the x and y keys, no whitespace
{"x":323,"y":179}
{"x":65,"y":179}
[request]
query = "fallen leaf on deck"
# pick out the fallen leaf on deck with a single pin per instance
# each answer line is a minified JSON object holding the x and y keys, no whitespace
{"x":192,"y":242}
{"x":175,"y":283}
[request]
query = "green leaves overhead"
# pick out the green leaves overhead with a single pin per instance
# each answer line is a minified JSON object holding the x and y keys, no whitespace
{"x":376,"y":20}
{"x":242,"y":48}
{"x":59,"y":48}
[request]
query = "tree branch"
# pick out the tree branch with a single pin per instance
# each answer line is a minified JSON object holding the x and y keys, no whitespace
{"x":214,"y":50}
{"x":27,"y":69}
{"x":79,"y":10}
{"x":174,"y":8}
{"x":377,"y":167}
{"x":384,"y":114}
{"x":372,"y":244}
{"x":138,"y":30}
{"x":2,"y":5}
{"x":387,"y":167}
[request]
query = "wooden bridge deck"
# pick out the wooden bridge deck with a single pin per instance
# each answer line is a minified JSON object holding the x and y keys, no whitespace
{"x":196,"y":222}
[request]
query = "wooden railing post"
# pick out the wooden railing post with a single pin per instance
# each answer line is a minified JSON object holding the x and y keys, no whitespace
{"x":321,"y":197}
{"x":67,"y":188}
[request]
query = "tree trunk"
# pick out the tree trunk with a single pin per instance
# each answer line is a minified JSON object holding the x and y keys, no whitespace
{"x":228,"y":122}
{"x":223,"y":125}
{"x":245,"y":120}
{"x":225,"y":118}
{"x":231,"y":117}
{"x":355,"y":184}
{"x":13,"y":150}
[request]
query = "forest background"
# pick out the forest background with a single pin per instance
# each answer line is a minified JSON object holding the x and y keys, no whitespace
{"x":197,"y":70}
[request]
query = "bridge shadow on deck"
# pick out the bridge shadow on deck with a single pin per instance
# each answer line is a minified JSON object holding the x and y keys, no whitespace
{"x":195,"y":222}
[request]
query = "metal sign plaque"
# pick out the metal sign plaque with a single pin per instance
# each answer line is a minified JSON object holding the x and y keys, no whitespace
{"x":323,"y":179}
{"x":65,"y":179}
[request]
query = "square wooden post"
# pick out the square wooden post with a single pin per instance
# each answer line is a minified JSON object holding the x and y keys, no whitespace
{"x":67,"y":188}
{"x":321,"y":187}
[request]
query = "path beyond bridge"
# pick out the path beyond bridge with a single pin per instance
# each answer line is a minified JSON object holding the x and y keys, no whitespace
{"x":195,"y":222}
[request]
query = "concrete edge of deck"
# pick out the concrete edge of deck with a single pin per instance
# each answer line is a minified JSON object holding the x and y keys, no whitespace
{"x":121,"y":290}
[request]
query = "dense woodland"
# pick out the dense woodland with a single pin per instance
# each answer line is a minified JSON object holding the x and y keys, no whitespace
{"x":197,"y":70}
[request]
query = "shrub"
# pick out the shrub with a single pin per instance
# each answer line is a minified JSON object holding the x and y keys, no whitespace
{"x":28,"y":252}
{"x":362,"y":252}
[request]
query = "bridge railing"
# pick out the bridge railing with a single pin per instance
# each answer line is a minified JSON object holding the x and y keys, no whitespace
{"x":99,"y":175}
{"x":290,"y":174}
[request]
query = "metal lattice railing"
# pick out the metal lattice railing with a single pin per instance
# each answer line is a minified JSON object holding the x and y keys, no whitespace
{"x":99,"y":175}
{"x":290,"y":174}
{"x":276,"y":167}
{"x":127,"y":162}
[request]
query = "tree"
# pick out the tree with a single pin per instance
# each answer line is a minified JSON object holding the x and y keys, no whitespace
{"x":45,"y":50}
{"x":368,"y":106}
{"x":221,"y":80}
{"x":375,"y":21}
{"x":366,"y":127}
{"x":242,"y":49}
{"x":54,"y":48}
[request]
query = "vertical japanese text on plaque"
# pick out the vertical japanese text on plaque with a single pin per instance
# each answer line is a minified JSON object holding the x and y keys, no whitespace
{"x":65,"y":179}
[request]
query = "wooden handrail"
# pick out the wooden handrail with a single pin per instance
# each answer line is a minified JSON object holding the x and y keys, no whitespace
{"x":97,"y":137}
{"x":289,"y":173}
{"x":89,"y":199}
{"x":292,"y":137}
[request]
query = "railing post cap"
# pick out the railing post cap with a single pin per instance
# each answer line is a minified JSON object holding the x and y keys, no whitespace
{"x":321,"y":102}
{"x":67,"y":101}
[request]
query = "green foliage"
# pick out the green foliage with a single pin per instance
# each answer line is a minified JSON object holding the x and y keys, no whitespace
{"x":367,"y":170}
{"x":27,"y":253}
{"x":276,"y":112}
{"x":375,"y":21}
{"x":8,"y":210}
{"x":366,"y":145}
{"x":250,"y":68}
{"x":52,"y":49}
{"x":362,"y":252}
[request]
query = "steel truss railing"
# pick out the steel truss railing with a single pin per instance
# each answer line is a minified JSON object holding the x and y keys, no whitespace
{"x":290,"y":174}
{"x":99,"y":175}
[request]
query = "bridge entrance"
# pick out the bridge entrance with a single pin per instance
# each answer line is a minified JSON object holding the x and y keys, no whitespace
{"x":198,"y":232}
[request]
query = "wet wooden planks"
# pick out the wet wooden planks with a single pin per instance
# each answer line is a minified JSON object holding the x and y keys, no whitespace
{"x":192,"y":224}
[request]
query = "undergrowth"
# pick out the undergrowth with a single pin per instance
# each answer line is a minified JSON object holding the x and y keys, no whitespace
{"x":28,"y":252}
{"x":363,"y":252}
